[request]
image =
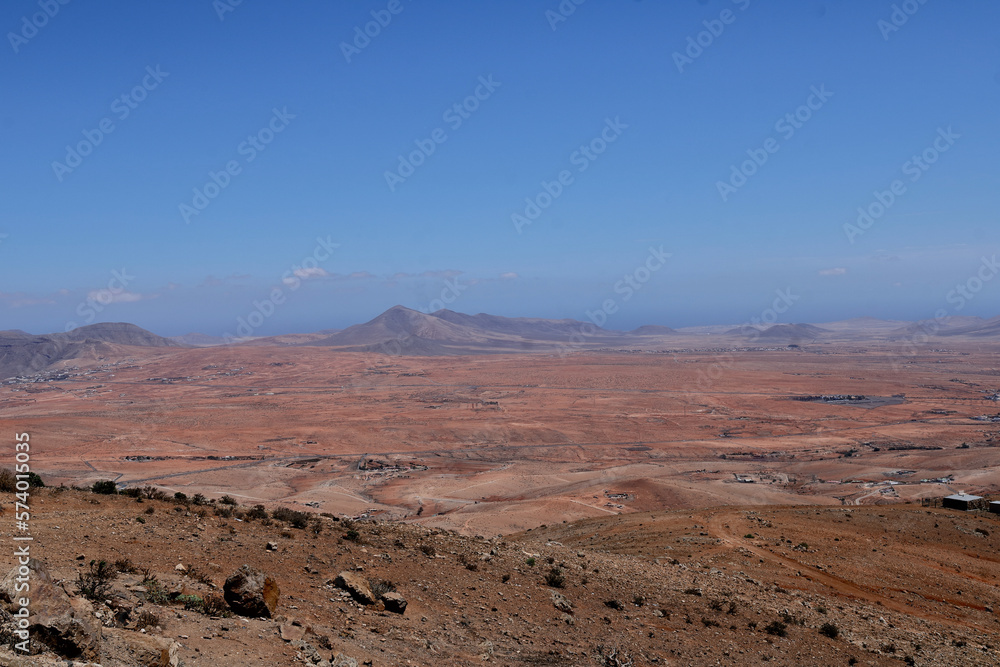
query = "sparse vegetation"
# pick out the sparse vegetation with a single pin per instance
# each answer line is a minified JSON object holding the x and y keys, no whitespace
{"x":830,"y":630}
{"x":379,"y":587}
{"x":95,"y":582}
{"x":555,"y":578}
{"x":776,"y":628}
{"x":104,"y":487}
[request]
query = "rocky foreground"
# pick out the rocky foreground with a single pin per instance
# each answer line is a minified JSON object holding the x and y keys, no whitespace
{"x":120,"y":580}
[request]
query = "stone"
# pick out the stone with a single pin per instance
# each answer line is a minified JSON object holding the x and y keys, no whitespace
{"x":394,"y":602}
{"x":65,"y":625}
{"x":272,"y":546}
{"x":250,"y":592}
{"x":341,"y":660}
{"x":147,"y":650}
{"x":356,"y":586}
{"x":290,"y":632}
{"x":562,"y":603}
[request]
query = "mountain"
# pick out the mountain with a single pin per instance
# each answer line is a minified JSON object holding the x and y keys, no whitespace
{"x":22,"y":353}
{"x":401,"y":330}
{"x":982,"y":329}
{"x":118,"y":333}
{"x":867,"y":325}
{"x":781,"y":333}
{"x":652,"y":330}
{"x":198,"y":340}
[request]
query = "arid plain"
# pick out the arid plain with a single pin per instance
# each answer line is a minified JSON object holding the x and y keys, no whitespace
{"x":497,"y":443}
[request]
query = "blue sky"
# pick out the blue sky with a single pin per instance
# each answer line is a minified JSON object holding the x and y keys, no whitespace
{"x":663,"y":130}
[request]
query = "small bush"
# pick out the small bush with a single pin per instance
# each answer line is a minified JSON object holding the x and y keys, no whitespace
{"x":830,"y":630}
{"x":776,"y":628}
{"x":95,"y":583}
{"x":126,"y":566}
{"x":149,"y":510}
{"x":613,"y":604}
{"x":214,"y":604}
{"x":555,"y":578}
{"x":428,"y":550}
{"x":199,"y":499}
{"x":153,"y":493}
{"x":530,"y":562}
{"x":352,"y":535}
{"x":191,"y":602}
{"x":256,"y":512}
{"x":228,"y":500}
{"x":709,"y":623}
{"x":105,"y":487}
{"x":155,"y":591}
{"x":316,"y":526}
{"x":505,"y":578}
{"x":379,"y":587}
{"x":147,"y":619}
{"x":132,"y":492}
{"x":180,"y":497}
{"x":225,"y":512}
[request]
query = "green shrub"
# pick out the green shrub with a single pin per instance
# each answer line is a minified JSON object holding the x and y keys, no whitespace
{"x":104,"y":487}
{"x":228,"y":500}
{"x":830,"y":630}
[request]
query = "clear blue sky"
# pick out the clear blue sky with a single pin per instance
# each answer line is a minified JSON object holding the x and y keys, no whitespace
{"x":676,"y":136}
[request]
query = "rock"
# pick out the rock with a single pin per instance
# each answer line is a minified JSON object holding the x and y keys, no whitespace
{"x":341,"y":660}
{"x":562,"y":603}
{"x":290,"y":632}
{"x":180,"y":568}
{"x":272,"y":546}
{"x":65,"y":625}
{"x":356,"y":586}
{"x":146,"y":650}
{"x":250,"y":592}
{"x":394,"y":602}
{"x":567,"y":619}
{"x":308,"y":652}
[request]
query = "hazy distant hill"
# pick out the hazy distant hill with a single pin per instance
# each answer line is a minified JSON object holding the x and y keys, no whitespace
{"x":401,"y":329}
{"x":198,"y":340}
{"x":781,"y":333}
{"x":22,"y":353}
{"x":981,"y":329}
{"x":653,"y":330}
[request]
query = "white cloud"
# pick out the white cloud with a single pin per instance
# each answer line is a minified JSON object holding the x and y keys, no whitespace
{"x":311,"y":272}
{"x":108,"y":296}
{"x":510,"y":275}
{"x":833,"y":272}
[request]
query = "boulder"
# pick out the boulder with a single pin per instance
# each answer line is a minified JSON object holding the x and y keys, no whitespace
{"x":250,"y":592}
{"x":355,"y":585}
{"x":63,"y":624}
{"x":290,"y":632}
{"x":562,"y":603}
{"x":146,"y":650}
{"x":341,"y":660}
{"x":394,"y":602}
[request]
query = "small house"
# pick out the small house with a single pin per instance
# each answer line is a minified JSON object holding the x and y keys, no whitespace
{"x":960,"y":501}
